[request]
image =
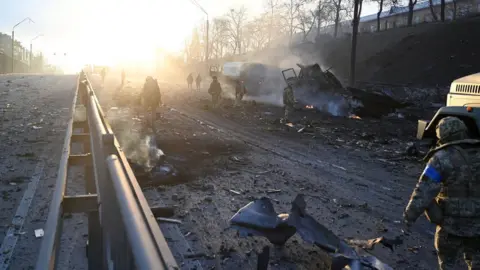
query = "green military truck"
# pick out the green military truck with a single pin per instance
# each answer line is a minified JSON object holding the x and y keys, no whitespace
{"x":463,"y":101}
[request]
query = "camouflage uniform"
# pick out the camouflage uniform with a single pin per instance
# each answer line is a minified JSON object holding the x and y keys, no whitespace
{"x":288,"y":101}
{"x":190,"y":80}
{"x":215,"y":90}
{"x":198,"y":80}
{"x":239,"y":92}
{"x":151,"y":98}
{"x":451,"y":179}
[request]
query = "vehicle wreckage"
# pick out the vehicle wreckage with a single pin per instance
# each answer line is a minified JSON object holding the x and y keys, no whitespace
{"x":258,"y":218}
{"x":314,"y":83}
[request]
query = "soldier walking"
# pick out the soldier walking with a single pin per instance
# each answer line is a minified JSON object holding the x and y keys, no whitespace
{"x":288,"y":101}
{"x":123,"y":77}
{"x":448,"y":191}
{"x":198,"y":80}
{"x":240,"y":91}
{"x":190,"y":81}
{"x":151,"y":99}
{"x":215,"y":90}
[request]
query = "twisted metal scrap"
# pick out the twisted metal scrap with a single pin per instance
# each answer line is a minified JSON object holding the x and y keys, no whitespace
{"x":258,"y":218}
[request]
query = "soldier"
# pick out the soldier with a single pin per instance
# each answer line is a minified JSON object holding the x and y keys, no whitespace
{"x":190,"y":81}
{"x":288,"y":101}
{"x":103,"y":73}
{"x":151,"y":98}
{"x":449,"y":192}
{"x":123,"y":76}
{"x":215,"y":90}
{"x":198,"y":80}
{"x":240,"y":91}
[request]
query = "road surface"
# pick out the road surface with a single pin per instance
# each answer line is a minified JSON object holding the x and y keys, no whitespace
{"x":231,"y":156}
{"x":34,"y":110}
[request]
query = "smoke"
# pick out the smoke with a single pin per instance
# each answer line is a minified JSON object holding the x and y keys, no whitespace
{"x":329,"y":102}
{"x":271,"y":90}
{"x":139,"y":147}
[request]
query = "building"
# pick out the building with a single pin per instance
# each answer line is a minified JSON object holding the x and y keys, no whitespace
{"x":21,"y":53}
{"x":397,"y":16}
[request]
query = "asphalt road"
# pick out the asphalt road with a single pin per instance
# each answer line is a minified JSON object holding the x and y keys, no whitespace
{"x":34,"y":113}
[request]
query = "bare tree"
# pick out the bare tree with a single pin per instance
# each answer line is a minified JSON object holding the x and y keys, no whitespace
{"x":341,"y":10}
{"x":256,"y":34}
{"x":379,"y":13}
{"x":381,"y":5}
{"x":292,"y":11}
{"x":322,"y":13}
{"x":432,"y":10}
{"x":411,"y":5}
{"x":306,"y":21}
{"x":454,"y":11}
{"x":237,"y":19}
{"x":195,"y":47}
{"x":357,"y":10}
{"x":219,"y":33}
{"x":442,"y":10}
{"x":273,"y":9}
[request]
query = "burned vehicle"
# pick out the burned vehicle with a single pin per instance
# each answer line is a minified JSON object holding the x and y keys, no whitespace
{"x":258,"y":218}
{"x":313,"y":83}
{"x":257,"y":77}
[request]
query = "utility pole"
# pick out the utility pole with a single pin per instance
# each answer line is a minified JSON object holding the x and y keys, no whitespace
{"x":31,"y":52}
{"x":13,"y":40}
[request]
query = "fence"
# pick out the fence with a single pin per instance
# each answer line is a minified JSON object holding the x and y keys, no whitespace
{"x":6,"y":64}
{"x":122,"y":231}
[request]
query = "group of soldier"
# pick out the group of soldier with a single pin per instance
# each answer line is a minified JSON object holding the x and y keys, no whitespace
{"x":448,"y":190}
{"x":198,"y":81}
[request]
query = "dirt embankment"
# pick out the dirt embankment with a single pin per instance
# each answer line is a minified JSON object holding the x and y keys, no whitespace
{"x":428,"y":54}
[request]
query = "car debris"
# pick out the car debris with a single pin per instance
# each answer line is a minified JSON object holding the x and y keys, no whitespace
{"x":258,"y":218}
{"x":313,"y":83}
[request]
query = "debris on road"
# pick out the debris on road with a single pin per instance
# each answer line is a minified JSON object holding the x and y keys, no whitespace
{"x":39,"y":233}
{"x":258,"y":218}
{"x":169,"y":220}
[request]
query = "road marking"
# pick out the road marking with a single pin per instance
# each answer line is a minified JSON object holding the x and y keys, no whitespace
{"x":10,"y":240}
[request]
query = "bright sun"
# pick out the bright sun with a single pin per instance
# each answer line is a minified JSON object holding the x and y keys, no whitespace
{"x":129,"y":31}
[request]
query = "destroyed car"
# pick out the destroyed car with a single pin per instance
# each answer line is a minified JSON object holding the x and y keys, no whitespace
{"x":258,"y":218}
{"x":313,"y":81}
{"x":259,"y":79}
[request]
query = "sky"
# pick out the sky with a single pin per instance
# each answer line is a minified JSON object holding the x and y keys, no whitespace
{"x":104,"y":31}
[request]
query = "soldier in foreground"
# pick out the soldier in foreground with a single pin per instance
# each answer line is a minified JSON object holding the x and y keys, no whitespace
{"x":151,"y":99}
{"x":215,"y":90}
{"x":240,"y":91}
{"x":449,"y":193}
{"x":198,"y":80}
{"x":288,"y":101}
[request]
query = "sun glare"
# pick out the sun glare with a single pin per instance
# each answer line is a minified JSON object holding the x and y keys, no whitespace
{"x":113,"y":32}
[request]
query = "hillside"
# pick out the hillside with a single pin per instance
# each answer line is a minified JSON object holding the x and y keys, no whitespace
{"x":429,"y":54}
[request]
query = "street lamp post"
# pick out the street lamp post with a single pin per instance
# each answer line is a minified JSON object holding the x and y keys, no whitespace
{"x":13,"y":40}
{"x":31,"y":51}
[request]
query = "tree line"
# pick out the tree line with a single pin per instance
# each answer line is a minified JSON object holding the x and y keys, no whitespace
{"x":287,"y":21}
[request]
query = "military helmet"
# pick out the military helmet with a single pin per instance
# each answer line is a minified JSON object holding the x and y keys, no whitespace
{"x":450,"y":126}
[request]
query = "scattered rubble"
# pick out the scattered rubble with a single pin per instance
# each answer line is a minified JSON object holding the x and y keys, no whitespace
{"x":258,"y":218}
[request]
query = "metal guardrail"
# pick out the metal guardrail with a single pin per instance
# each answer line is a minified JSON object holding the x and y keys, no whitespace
{"x":122,"y":230}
